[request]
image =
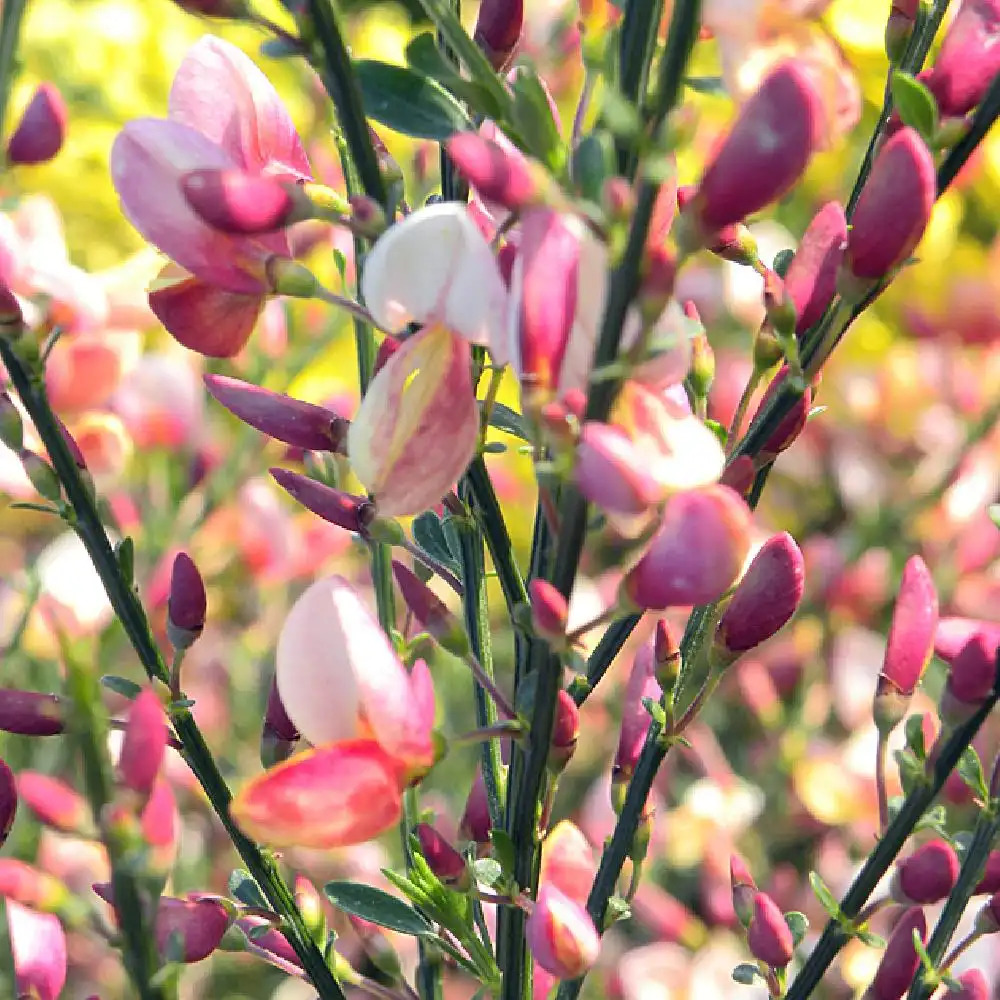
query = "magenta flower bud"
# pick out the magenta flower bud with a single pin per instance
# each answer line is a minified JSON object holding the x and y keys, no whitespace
{"x":278,"y":735}
{"x":990,"y":882}
{"x":500,"y":174}
{"x":894,"y":208}
{"x":766,"y":597}
{"x":641,"y":686}
{"x":475,"y":824}
{"x":498,"y":30}
{"x":953,"y":633}
{"x":431,"y":611}
{"x":769,"y":937}
{"x":442,"y":858}
{"x":54,"y":803}
{"x":186,"y":604}
{"x":42,"y":129}
{"x":969,"y":58}
{"x":8,"y":800}
{"x":11,"y":317}
{"x":565,"y":731}
{"x":145,"y":743}
{"x":972,"y":985}
{"x":927,"y":875}
{"x":549,"y":610}
{"x":908,"y":648}
{"x":354,"y":513}
{"x":270,"y":945}
{"x":293,"y":421}
{"x":611,"y":473}
{"x":189,"y":930}
{"x":234,"y":201}
{"x":765,"y":152}
{"x":27,"y":885}
{"x":698,"y":552}
{"x":744,"y":889}
{"x":971,"y":678}
{"x":899,"y":960}
{"x":791,"y":424}
{"x":74,"y":449}
{"x":811,"y":279}
{"x":560,"y":934}
{"x":31,"y":713}
{"x":899,"y":28}
{"x":159,"y":823}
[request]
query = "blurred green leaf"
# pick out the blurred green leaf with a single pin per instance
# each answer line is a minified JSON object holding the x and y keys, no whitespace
{"x":424,"y":56}
{"x":242,"y":886}
{"x":824,"y":897}
{"x":379,"y":907}
{"x":798,"y":924}
{"x":745,"y":973}
{"x":428,"y":534}
{"x":970,"y":770}
{"x":533,"y":119}
{"x":506,"y":419}
{"x":121,"y":685}
{"x":915,"y":104}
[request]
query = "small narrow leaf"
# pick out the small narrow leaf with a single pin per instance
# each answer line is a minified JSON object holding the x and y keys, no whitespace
{"x":533,"y":119}
{"x":506,"y":419}
{"x":503,"y":850}
{"x":429,"y":536}
{"x":914,"y":731}
{"x":825,"y":898}
{"x":970,"y":770}
{"x":798,"y":924}
{"x":379,"y":907}
{"x":243,"y":887}
{"x":121,"y":685}
{"x":915,"y":103}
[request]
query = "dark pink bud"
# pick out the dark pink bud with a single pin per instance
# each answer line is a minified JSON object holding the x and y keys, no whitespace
{"x":53,"y":802}
{"x":697,"y":553}
{"x":927,"y":875}
{"x":31,"y":713}
{"x":189,"y":930}
{"x":279,"y":735}
{"x":969,"y":58}
{"x":811,"y":279}
{"x":953,"y":633}
{"x":899,"y":27}
{"x":549,"y":610}
{"x":8,"y":800}
{"x":791,"y":424}
{"x":187,"y":603}
{"x":739,"y":475}
{"x":899,"y":960}
{"x":40,"y":133}
{"x":475,"y":824}
{"x":894,"y":208}
{"x":565,"y":731}
{"x":354,"y":513}
{"x":765,"y":152}
{"x":160,"y":826}
{"x":386,"y":350}
{"x":442,"y":858}
{"x":972,"y":985}
{"x":293,"y":421}
{"x":11,"y":317}
{"x":766,"y":597}
{"x":990,"y":882}
{"x":500,"y":174}
{"x":911,"y":634}
{"x":237,"y":202}
{"x":498,"y":30}
{"x":561,"y":935}
{"x":744,"y":889}
{"x":971,"y":678}
{"x":642,"y":686}
{"x":145,"y":743}
{"x":431,"y":611}
{"x":74,"y":449}
{"x":666,"y":917}
{"x":769,"y":938}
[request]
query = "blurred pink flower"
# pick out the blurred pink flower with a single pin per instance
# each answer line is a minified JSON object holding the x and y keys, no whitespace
{"x":38,"y":945}
{"x":224,"y":114}
{"x":561,"y":935}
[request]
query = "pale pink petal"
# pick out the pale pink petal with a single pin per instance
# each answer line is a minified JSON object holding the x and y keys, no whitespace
{"x":417,"y":428}
{"x":332,"y":796}
{"x":399,"y":707}
{"x":435,"y":267}
{"x":38,"y":945}
{"x":222,"y":94}
{"x":568,"y":861}
{"x":148,"y":158}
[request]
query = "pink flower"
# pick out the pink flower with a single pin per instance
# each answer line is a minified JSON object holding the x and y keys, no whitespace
{"x":145,"y":743}
{"x":561,"y":935}
{"x":38,"y":945}
{"x":345,"y":690}
{"x":969,"y":58}
{"x":568,"y":861}
{"x":54,"y":802}
{"x":768,"y":936}
{"x":927,"y":875}
{"x":811,"y":280}
{"x":911,"y":634}
{"x":224,"y":114}
{"x":899,"y":960}
{"x":418,"y":425}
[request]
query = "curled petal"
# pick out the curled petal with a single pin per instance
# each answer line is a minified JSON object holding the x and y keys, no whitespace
{"x":332,"y":796}
{"x":222,"y":94}
{"x":435,"y":267}
{"x":204,"y":318}
{"x":38,"y":945}
{"x":418,"y":424}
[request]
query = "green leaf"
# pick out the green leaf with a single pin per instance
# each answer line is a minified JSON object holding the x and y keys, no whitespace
{"x":125,"y":554}
{"x":870,"y":939}
{"x":915,"y":104}
{"x":409,"y":102}
{"x":379,"y":907}
{"x":618,"y":909}
{"x":913,"y":728}
{"x":619,"y":115}
{"x":532,"y":117}
{"x":970,"y":770}
{"x":423,"y":55}
{"x":783,"y":261}
{"x":121,"y":685}
{"x":429,"y":535}
{"x":798,"y":924}
{"x":718,"y":430}
{"x":593,"y":163}
{"x":506,"y":419}
{"x":746,"y":973}
{"x":242,"y":886}
{"x":825,"y":898}
{"x":712,"y":85}
{"x":503,"y":851}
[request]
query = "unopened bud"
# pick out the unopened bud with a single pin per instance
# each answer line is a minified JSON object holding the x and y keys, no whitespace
{"x":969,"y":58}
{"x":431,"y":611}
{"x":765,"y":599}
{"x":927,"y":875}
{"x":656,"y":288}
{"x":475,"y":824}
{"x":71,"y":444}
{"x":289,"y":277}
{"x":769,"y":937}
{"x":54,"y":803}
{"x":900,"y":960}
{"x":780,"y":312}
{"x":354,"y":513}
{"x":279,"y":735}
{"x":500,"y":174}
{"x":561,"y":936}
{"x":8,"y":800}
{"x":367,"y":216}
{"x":42,"y":129}
{"x":498,"y":30}
{"x":145,"y":743}
{"x":990,"y":882}
{"x":702,"y":373}
{"x":565,"y":732}
{"x":811,"y":278}
{"x":641,"y":687}
{"x":744,"y":889}
{"x":971,"y":678}
{"x":666,"y":657}
{"x":11,"y":425}
{"x":189,"y":930}
{"x":442,"y":859}
{"x":31,"y":713}
{"x":187,"y":603}
{"x":618,"y":200}
{"x":41,"y":475}
{"x":791,"y":425}
{"x":310,"y":905}
{"x":972,"y":985}
{"x":27,"y":885}
{"x":549,"y":611}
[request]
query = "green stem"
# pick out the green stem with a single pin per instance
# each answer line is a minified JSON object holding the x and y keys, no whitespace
{"x":609,"y":646}
{"x":130,"y":613}
{"x":90,"y":730}
{"x":10,"y":32}
{"x":982,"y":121}
{"x":635,"y":54}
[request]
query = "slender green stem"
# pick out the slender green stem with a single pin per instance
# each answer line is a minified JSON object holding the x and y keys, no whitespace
{"x":635,"y":54}
{"x":10,"y":32}
{"x":129,"y":611}
{"x":881,"y":788}
{"x":90,"y":731}
{"x":608,"y":647}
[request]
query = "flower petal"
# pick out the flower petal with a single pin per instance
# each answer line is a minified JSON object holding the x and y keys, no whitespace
{"x":435,"y":267}
{"x":332,"y":796}
{"x":148,"y":158}
{"x":417,"y":427}
{"x":38,"y":945}
{"x":205,"y":318}
{"x":222,"y":94}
